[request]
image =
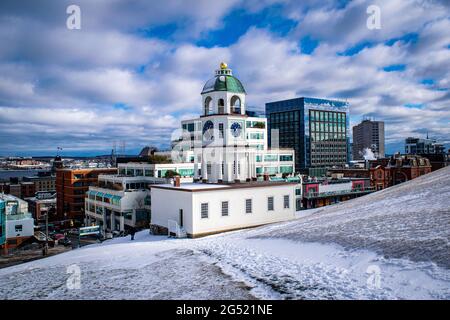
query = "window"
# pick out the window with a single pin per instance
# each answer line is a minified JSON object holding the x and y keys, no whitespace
{"x":286,"y":202}
{"x":204,"y":211}
{"x":269,"y":203}
{"x":271,"y":157}
{"x":18,"y":228}
{"x":221,"y":130}
{"x":224,"y":208}
{"x":286,"y":158}
{"x":248,"y":205}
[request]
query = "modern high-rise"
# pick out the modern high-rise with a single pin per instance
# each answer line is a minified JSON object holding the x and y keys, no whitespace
{"x":423,"y":146}
{"x":316,"y":128}
{"x":368,"y":134}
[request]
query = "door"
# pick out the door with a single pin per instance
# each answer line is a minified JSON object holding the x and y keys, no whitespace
{"x":181,"y":217}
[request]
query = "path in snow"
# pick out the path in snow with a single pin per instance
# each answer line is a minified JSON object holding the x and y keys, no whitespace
{"x":402,"y":232}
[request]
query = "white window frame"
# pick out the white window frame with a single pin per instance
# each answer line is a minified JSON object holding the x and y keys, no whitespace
{"x":228,"y":208}
{"x":288,"y":201}
{"x":207,"y":210}
{"x":273,"y":203}
{"x":251,"y":206}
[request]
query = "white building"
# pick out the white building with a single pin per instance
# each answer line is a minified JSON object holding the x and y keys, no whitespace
{"x":199,"y":209}
{"x":225,"y":144}
{"x":143,"y":169}
{"x":18,"y":222}
{"x":119,"y":201}
{"x":229,"y":151}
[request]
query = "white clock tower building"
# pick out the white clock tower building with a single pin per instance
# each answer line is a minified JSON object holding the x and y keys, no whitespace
{"x":225,"y":154}
{"x":227,"y":143}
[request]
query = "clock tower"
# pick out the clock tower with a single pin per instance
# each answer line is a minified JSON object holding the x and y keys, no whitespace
{"x":225,"y":155}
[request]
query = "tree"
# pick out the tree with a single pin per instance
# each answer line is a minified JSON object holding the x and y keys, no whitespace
{"x":171,"y":174}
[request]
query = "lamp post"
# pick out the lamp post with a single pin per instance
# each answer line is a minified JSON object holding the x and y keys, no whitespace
{"x":45,"y":252}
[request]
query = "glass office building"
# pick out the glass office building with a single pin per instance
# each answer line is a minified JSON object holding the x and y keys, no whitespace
{"x":317,"y":129}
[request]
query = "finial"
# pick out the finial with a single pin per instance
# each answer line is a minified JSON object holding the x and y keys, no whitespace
{"x":223,"y":65}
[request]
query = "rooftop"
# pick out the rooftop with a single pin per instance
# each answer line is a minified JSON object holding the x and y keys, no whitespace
{"x":195,"y":187}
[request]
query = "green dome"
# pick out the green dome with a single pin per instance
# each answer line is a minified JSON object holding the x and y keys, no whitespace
{"x":223,"y":83}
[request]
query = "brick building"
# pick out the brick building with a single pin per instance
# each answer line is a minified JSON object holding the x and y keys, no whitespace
{"x":44,"y":181}
{"x":71,"y":188}
{"x":397,"y":169}
{"x":18,"y":189}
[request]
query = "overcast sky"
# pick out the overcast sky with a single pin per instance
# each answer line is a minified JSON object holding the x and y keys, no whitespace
{"x":136,"y":68}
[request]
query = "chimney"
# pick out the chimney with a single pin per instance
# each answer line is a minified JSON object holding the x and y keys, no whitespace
{"x":266,"y":177}
{"x":176,"y":181}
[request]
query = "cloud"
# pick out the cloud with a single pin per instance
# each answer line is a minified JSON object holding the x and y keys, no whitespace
{"x":118,"y":78}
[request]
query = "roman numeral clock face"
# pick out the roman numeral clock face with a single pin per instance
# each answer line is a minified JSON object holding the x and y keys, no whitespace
{"x":236,"y":129}
{"x":208,"y":129}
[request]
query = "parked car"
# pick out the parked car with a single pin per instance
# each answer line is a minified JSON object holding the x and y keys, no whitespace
{"x":65,"y":242}
{"x":58,"y":236}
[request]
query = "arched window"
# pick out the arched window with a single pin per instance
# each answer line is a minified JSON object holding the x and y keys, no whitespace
{"x":207,"y":106}
{"x":221,"y":105}
{"x":235,"y":103}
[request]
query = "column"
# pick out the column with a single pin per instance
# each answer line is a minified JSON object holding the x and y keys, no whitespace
{"x":113,"y":221}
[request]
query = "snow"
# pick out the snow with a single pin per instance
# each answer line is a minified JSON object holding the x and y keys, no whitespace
{"x":192,"y":186}
{"x":401,"y":233}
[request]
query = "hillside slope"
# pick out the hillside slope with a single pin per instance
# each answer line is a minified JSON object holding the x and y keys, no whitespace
{"x":410,"y":220}
{"x":392,"y":244}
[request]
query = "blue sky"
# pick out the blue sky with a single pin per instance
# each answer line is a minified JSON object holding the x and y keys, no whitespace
{"x":134,"y":70}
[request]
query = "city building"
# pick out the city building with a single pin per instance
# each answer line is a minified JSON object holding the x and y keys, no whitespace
{"x":368,"y":135}
{"x":119,"y":202}
{"x":18,"y":188}
{"x":71,"y":188}
{"x":423,"y":146}
{"x":157,"y":170}
{"x":44,"y":181}
{"x":321,"y":192}
{"x":17,"y":223}
{"x":388,"y":172}
{"x":227,"y":146}
{"x":199,"y":209}
{"x":43,"y":203}
{"x":437,"y":160}
{"x":317,"y":129}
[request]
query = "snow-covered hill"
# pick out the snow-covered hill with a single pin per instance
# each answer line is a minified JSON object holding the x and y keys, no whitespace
{"x":410,"y":220}
{"x":392,"y":244}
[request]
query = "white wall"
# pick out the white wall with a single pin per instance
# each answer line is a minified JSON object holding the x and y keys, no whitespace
{"x":27,"y":228}
{"x":166,"y":205}
{"x":167,"y":202}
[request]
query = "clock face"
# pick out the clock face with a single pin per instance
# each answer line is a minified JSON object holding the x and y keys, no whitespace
{"x":208,"y":130}
{"x":236,"y":129}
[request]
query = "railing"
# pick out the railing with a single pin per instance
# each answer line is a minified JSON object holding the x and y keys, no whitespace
{"x":174,"y":227}
{"x":19,"y":216}
{"x":338,"y":193}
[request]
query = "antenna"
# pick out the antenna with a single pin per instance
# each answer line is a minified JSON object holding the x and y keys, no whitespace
{"x":122,"y":147}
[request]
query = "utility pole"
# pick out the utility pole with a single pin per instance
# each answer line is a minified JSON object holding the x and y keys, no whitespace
{"x":46,"y":234}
